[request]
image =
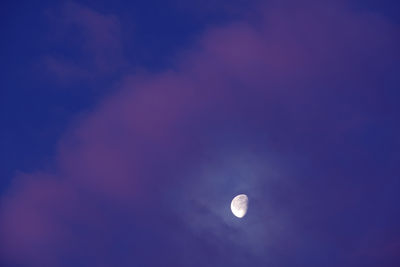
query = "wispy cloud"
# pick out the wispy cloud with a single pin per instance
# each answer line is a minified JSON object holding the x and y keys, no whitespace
{"x":96,"y":41}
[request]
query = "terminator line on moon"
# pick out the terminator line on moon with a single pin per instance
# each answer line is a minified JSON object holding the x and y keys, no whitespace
{"x":239,"y":205}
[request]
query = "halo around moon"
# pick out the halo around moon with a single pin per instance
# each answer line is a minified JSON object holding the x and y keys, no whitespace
{"x":239,"y":205}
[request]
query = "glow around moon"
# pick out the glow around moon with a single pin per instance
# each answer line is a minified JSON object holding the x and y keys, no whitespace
{"x":239,"y":205}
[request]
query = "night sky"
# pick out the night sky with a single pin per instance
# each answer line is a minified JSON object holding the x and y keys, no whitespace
{"x":127,"y":127}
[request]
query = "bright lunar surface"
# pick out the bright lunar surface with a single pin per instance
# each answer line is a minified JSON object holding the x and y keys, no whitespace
{"x":239,"y":205}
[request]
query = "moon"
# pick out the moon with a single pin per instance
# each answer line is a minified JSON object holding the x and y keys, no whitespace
{"x":239,"y":205}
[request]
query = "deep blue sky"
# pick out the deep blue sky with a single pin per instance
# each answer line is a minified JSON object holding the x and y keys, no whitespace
{"x":108,"y":103}
{"x":35,"y":113}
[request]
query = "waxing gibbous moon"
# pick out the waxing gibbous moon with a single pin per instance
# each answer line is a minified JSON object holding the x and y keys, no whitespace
{"x":239,"y":205}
